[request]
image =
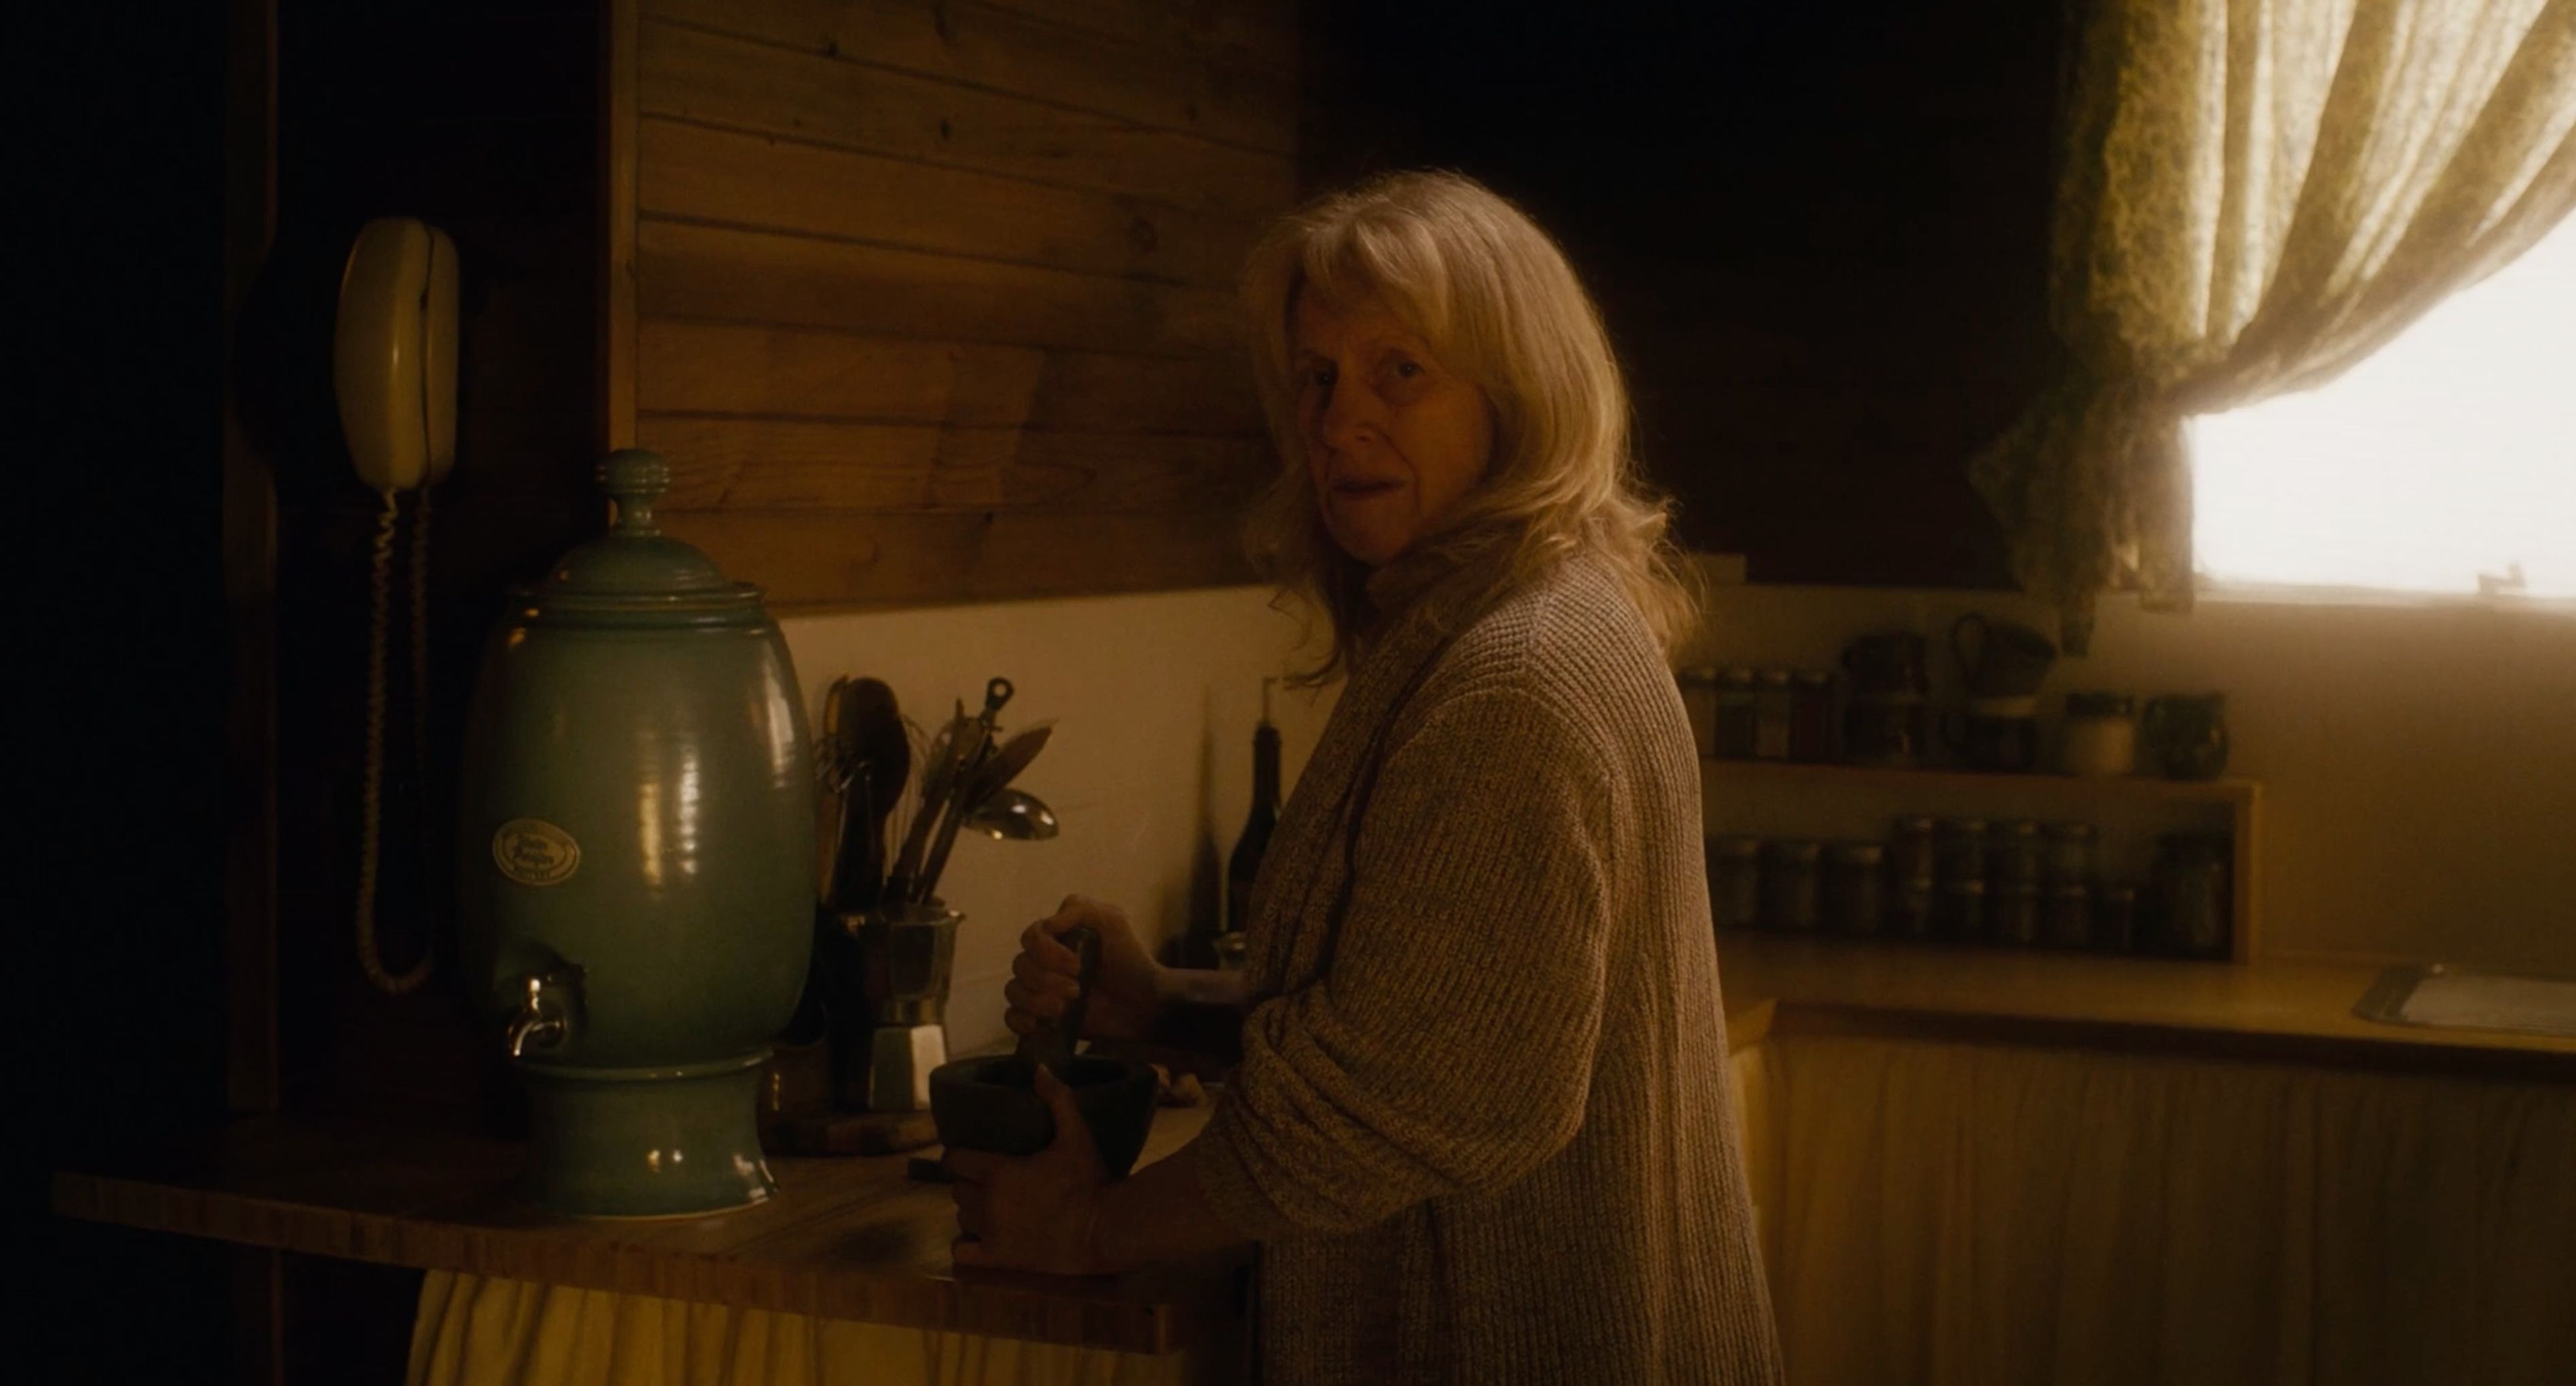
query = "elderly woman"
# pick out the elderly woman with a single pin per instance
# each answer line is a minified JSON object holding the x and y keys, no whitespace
{"x":1480,"y":1126}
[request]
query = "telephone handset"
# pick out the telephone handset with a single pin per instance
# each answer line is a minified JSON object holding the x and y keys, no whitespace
{"x":393,"y":367}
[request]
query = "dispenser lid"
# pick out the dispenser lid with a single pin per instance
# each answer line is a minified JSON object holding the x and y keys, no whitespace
{"x":635,"y":571}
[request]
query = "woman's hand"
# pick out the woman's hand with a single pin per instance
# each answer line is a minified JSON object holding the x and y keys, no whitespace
{"x":1127,"y":996}
{"x":1037,"y":1213}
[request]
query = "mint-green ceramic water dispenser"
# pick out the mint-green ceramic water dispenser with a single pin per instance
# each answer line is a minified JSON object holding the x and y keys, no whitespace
{"x":636,"y":864}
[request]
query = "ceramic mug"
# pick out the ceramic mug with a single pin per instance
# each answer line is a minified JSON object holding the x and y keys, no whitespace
{"x":2009,"y":660}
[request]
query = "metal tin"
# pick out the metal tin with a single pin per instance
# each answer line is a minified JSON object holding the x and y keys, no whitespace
{"x":1790,"y":885}
{"x":1734,"y":882}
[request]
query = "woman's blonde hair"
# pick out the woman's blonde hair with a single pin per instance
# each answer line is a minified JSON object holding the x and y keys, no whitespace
{"x":1495,"y":300}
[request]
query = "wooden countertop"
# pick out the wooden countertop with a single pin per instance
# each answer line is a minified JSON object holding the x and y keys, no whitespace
{"x":848,"y":1238}
{"x":2299,"y":1012}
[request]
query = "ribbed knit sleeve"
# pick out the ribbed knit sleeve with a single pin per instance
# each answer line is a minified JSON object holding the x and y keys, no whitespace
{"x":1450,"y":1045}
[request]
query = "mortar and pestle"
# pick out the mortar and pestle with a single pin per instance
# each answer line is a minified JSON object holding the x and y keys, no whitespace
{"x":992,"y":1103}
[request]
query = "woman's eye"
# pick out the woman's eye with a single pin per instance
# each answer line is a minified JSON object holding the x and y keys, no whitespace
{"x":1407,"y":370}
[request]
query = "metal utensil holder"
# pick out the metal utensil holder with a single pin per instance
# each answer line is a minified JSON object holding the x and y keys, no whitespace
{"x":899,"y":957}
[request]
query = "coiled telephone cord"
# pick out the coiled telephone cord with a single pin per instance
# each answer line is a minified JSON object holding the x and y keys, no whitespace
{"x":371,"y":825}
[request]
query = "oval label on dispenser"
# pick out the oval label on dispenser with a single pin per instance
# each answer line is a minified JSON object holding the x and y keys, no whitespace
{"x":534,"y":852}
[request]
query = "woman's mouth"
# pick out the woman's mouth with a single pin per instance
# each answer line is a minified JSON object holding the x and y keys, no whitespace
{"x":1363,"y":487}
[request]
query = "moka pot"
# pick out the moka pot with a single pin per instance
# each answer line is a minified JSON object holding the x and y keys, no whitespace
{"x":637,"y":864}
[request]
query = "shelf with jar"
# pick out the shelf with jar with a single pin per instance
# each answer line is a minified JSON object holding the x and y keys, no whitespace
{"x":1847,"y":802}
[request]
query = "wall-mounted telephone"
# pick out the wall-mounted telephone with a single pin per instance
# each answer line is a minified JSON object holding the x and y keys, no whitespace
{"x":393,"y":367}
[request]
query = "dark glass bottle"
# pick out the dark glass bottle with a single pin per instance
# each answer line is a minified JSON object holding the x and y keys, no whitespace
{"x":1245,"y":864}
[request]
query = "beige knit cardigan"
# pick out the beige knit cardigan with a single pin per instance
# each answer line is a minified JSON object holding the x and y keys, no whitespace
{"x":1482,"y":1129}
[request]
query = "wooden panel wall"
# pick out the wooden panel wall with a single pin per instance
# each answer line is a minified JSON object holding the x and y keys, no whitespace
{"x":932,"y":302}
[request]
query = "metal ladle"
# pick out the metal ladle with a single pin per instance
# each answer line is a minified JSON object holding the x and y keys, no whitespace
{"x":1013,"y":814}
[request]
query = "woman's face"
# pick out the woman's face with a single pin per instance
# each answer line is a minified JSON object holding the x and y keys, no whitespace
{"x":1393,"y":440}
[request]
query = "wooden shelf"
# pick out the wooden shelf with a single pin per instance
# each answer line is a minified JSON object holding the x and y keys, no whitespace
{"x":2223,"y":791}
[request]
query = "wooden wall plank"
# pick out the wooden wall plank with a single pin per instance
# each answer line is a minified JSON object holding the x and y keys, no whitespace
{"x":753,"y":464}
{"x":692,"y":172}
{"x":1255,"y":33}
{"x":812,"y":560}
{"x":959,"y":41}
{"x":717,"y":79}
{"x":618,"y":172}
{"x":745,"y":368}
{"x":693,"y":271}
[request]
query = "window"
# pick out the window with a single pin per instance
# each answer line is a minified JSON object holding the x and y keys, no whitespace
{"x":2443,"y":463}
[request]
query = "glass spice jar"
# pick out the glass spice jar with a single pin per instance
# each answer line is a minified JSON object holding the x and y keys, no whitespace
{"x":1699,"y":706}
{"x":2067,"y":852}
{"x":2115,"y":919}
{"x":1773,"y":698}
{"x":1734,"y":882}
{"x":2013,"y":854}
{"x":1789,"y":885}
{"x":2067,"y":917}
{"x":1736,"y":726}
{"x":1909,"y":909}
{"x":1851,"y":887}
{"x":1910,"y":854}
{"x":1811,"y":717}
{"x":2100,"y":737}
{"x":1959,"y":851}
{"x":2012,"y":914}
{"x":1959,"y":911}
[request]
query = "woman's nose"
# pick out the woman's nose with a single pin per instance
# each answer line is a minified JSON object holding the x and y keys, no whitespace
{"x":1352,"y":415}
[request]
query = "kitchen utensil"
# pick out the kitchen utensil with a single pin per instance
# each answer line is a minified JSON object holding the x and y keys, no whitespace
{"x":636,"y":864}
{"x":2101,"y":735}
{"x":940,"y":769}
{"x":973,"y":742}
{"x":2187,"y":734}
{"x":992,"y":1104}
{"x":982,"y":782}
{"x":879,"y":758}
{"x":1012,"y":814}
{"x":2009,"y":660}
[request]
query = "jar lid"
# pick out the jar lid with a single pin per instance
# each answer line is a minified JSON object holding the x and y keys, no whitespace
{"x":2101,"y":705}
{"x":2072,"y":830}
{"x":1810,"y":678}
{"x":635,"y":574}
{"x":1857,"y":853}
{"x":1964,"y":827}
{"x":1794,"y":848}
{"x":1691,"y":678}
{"x":1736,"y":675}
{"x":1773,"y":678}
{"x":2018,"y":827}
{"x":1734,"y":846}
{"x":1912,"y":823}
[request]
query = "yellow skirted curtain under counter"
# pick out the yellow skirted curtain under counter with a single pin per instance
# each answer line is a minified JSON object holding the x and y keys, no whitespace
{"x":2252,"y":196}
{"x":474,"y":1331}
{"x":1983,"y":1215}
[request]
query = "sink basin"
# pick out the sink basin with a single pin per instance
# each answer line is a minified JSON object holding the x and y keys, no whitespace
{"x":2463,"y":998}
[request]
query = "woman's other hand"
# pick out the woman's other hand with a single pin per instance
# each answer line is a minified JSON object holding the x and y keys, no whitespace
{"x":1037,"y":1213}
{"x":1127,"y":996}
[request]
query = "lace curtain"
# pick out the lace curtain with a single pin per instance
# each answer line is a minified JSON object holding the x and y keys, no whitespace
{"x":2253,"y":195}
